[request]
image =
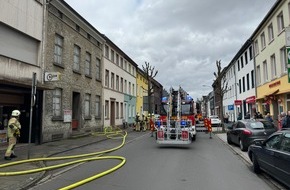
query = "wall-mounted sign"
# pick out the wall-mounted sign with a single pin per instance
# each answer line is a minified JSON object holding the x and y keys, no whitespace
{"x":51,"y":76}
{"x":67,"y":115}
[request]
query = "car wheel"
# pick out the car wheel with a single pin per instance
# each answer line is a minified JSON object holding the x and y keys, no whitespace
{"x":229,"y":140}
{"x":242,"y":146}
{"x":256,"y":166}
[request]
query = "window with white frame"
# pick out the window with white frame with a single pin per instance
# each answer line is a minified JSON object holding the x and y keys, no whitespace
{"x":129,"y":110}
{"x":106,"y":109}
{"x":77,"y":54}
{"x":87,"y":105}
{"x":270,"y":32}
{"x":125,"y":87}
{"x":129,"y":68}
{"x":58,"y":48}
{"x":258,"y":75}
{"x":98,"y":106}
{"x":113,"y":81}
{"x":117,"y":110}
{"x":107,"y":51}
{"x":57,"y":102}
{"x":252,"y":79}
{"x":121,"y":109}
{"x":125,"y":66}
{"x":265,"y":71}
{"x":256,"y":47}
{"x":283,"y":60}
{"x":133,"y":89}
{"x":273,"y":66}
{"x":242,"y":62}
{"x":263,"y":41}
{"x":280,"y":22}
{"x":246,"y":57}
{"x":129,"y":91}
{"x":88,"y":64}
{"x":117,"y":83}
{"x":107,"y":78}
{"x":117,"y":59}
{"x":251,"y":52}
{"x":248,"y":81}
{"x":112,"y":56}
{"x":122,"y":62}
{"x":122,"y":85}
{"x":98,"y":69}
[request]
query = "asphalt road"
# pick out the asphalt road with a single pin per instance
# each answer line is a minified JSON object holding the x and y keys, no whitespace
{"x":204,"y":165}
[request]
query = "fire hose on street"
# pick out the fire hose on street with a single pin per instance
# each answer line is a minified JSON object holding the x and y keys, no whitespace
{"x":109,"y":132}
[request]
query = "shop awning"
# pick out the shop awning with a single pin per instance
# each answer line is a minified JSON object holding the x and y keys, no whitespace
{"x":251,"y":99}
{"x":272,"y":93}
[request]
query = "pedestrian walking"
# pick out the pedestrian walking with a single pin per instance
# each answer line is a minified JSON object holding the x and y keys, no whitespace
{"x":286,"y":121}
{"x":226,"y":118}
{"x":13,"y":133}
{"x":247,"y":116}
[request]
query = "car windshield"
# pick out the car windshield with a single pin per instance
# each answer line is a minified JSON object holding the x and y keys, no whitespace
{"x":214,"y":117}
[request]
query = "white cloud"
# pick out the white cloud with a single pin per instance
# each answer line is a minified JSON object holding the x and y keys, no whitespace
{"x":181,"y":38}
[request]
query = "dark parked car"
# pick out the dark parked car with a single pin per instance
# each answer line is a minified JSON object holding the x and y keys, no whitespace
{"x":244,"y":132}
{"x":273,"y":156}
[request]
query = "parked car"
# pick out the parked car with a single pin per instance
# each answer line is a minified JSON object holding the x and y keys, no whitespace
{"x":244,"y":132}
{"x":215,"y":120}
{"x":273,"y":156}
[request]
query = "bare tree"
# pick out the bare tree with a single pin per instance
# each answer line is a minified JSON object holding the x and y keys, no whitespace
{"x":221,"y":88}
{"x":150,"y":73}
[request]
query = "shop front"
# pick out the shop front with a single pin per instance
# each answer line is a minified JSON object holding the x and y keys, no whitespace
{"x":19,"y":97}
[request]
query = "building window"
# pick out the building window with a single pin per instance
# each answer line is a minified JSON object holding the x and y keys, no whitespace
{"x":122,"y":85}
{"x":107,"y":78}
{"x":280,"y":21}
{"x":57,"y":101}
{"x":125,"y":87}
{"x":258,"y":75}
{"x":248,"y":81}
{"x":240,"y":86}
{"x":273,"y":66}
{"x":98,"y":106}
{"x":125,"y":66}
{"x":239,"y":65}
{"x":113,"y":81}
{"x":117,"y":59}
{"x":77,"y":54}
{"x":98,"y":69}
{"x":253,"y":79}
{"x":122,"y":110}
{"x":265,"y":71}
{"x":88,"y":64}
{"x":256,"y":47}
{"x":133,"y":89}
{"x":106,"y":109}
{"x":270,"y":32}
{"x":107,"y":51}
{"x":242,"y":62}
{"x":122,"y":64}
{"x":246,"y":57}
{"x":283,"y":60}
{"x":117,"y":110}
{"x":129,"y":91}
{"x":87,"y":105}
{"x":251,"y":52}
{"x":130,"y":68}
{"x":78,"y":29}
{"x":263,"y":41}
{"x":117,"y":83}
{"x":112,"y":56}
{"x":58,"y":48}
{"x":244,"y":85}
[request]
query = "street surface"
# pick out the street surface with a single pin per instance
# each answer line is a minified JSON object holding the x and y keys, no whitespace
{"x":204,"y":165}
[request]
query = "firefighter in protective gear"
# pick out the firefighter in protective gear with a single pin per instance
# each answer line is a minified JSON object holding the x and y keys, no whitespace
{"x":137,"y":120}
{"x":13,"y":132}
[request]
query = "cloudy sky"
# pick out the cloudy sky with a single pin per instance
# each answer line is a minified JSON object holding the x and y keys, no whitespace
{"x":182,"y":39}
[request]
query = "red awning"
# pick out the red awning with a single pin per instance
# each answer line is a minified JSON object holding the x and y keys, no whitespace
{"x":238,"y":102}
{"x":251,"y":99}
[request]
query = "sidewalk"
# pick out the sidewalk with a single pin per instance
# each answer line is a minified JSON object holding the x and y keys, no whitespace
{"x":39,"y":151}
